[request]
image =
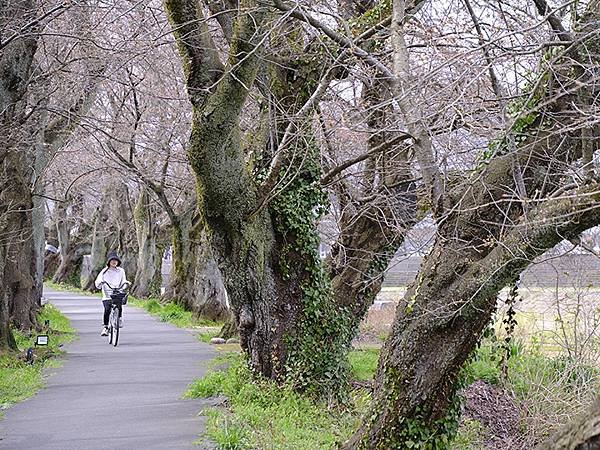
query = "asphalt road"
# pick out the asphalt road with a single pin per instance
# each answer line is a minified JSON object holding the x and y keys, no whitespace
{"x":128,"y":397}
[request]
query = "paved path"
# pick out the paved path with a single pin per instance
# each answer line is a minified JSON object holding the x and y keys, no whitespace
{"x":104,"y":397}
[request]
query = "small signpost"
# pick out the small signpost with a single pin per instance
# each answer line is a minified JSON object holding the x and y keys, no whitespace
{"x":42,"y":339}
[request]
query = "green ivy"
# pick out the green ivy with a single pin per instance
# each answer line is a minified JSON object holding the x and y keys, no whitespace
{"x":371,"y":17}
{"x":317,"y":357}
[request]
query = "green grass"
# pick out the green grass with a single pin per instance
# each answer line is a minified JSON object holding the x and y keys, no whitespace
{"x":226,"y":432}
{"x":208,"y":333}
{"x":469,"y":436}
{"x":173,"y":313}
{"x":20,"y":380}
{"x":67,"y":288}
{"x":263,"y":415}
{"x":364,"y":363}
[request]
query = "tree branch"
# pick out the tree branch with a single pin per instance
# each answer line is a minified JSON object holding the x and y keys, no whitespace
{"x":332,"y":173}
{"x":201,"y":63}
{"x":553,"y":20}
{"x":157,"y":189}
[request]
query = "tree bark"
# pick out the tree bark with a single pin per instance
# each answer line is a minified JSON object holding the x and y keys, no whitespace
{"x":146,"y":231}
{"x":581,"y":434}
{"x":100,"y":233}
{"x":481,"y":246}
{"x":18,"y":301}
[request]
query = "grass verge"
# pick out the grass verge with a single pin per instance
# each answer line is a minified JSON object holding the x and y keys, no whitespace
{"x":263,"y":415}
{"x":19,"y":379}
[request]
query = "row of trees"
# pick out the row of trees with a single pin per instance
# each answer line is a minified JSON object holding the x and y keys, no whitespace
{"x":235,"y":130}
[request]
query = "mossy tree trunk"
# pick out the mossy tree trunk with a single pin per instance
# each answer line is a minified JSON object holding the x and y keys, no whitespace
{"x":280,"y":294}
{"x":19,"y":296}
{"x":242,"y":236}
{"x":442,"y":316}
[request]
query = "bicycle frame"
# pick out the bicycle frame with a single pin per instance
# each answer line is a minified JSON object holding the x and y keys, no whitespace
{"x":116,"y":311}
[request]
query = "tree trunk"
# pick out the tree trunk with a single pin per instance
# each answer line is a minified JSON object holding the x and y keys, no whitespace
{"x":18,"y":293}
{"x":196,"y":281}
{"x":181,"y":270}
{"x":442,"y":316}
{"x":51,"y":264}
{"x":267,"y":248}
{"x":20,"y":268}
{"x":63,"y":233}
{"x":70,"y":271}
{"x":209,"y":297}
{"x":582,"y":434}
{"x":440,"y":321}
{"x":146,"y":231}
{"x":100,"y":234}
{"x":71,"y":247}
{"x":229,"y":328}
{"x":7,"y":340}
{"x":126,"y":244}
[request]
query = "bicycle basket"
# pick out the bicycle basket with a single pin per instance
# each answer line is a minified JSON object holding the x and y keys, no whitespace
{"x":118,"y":298}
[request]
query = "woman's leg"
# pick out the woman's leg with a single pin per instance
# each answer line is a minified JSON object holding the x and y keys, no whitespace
{"x":106,"y":304}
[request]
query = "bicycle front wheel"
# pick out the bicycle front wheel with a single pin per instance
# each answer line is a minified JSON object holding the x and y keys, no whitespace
{"x":113,"y":324}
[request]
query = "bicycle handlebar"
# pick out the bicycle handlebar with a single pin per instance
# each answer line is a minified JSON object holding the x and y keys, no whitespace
{"x":127,"y":284}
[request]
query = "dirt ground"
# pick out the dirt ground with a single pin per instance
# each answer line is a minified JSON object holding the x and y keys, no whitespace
{"x":496,"y":409}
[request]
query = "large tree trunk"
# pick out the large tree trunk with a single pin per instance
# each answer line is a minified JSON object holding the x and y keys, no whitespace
{"x":20,"y":267}
{"x":267,"y":248}
{"x":18,"y":290}
{"x":442,"y":315}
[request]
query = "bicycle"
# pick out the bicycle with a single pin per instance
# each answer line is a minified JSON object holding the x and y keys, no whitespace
{"x":118,"y":298}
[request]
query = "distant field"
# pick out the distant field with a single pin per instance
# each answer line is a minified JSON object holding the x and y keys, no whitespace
{"x":556,"y":319}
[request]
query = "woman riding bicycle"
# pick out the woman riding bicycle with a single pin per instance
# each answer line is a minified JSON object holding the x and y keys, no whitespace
{"x":112,"y":276}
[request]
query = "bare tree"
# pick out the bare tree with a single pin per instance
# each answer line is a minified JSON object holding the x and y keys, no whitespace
{"x":485,"y":240}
